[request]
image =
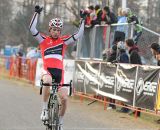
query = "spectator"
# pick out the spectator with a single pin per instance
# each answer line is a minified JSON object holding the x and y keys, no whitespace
{"x":112,"y":57}
{"x":122,"y":19}
{"x":33,"y":53}
{"x":122,"y":55}
{"x":92,"y":12}
{"x":119,"y":13}
{"x":134,"y":59}
{"x":90,"y":15}
{"x":98,"y":13}
{"x":133,"y":52}
{"x":118,"y":55}
{"x":112,"y":54}
{"x":155,"y":49}
{"x":20,"y":51}
{"x":107,"y":16}
{"x":132,"y":18}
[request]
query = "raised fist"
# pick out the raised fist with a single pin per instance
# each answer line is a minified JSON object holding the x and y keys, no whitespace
{"x":38,"y":9}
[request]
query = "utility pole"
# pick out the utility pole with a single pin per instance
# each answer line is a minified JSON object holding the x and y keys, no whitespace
{"x":104,"y":3}
{"x":124,"y":3}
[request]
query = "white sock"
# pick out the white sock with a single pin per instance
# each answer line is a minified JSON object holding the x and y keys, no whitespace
{"x":45,"y":105}
{"x":60,"y":119}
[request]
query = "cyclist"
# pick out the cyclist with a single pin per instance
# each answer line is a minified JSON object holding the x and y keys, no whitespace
{"x":52,"y":51}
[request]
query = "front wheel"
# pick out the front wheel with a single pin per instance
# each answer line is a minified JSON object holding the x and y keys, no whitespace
{"x":53,"y":109}
{"x":56,"y":115}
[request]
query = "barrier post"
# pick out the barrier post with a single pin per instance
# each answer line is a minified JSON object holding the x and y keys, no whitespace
{"x":81,"y":98}
{"x":105,"y":103}
{"x":135,"y":114}
{"x":93,"y":42}
{"x":132,"y":30}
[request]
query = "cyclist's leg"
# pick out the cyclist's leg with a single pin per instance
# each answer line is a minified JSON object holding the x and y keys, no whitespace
{"x":46,"y":77}
{"x":63,"y":94}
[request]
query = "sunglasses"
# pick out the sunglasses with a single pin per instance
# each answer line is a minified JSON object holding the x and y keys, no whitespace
{"x":56,"y":29}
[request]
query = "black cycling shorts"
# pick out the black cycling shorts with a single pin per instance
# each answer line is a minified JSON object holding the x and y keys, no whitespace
{"x":56,"y":74}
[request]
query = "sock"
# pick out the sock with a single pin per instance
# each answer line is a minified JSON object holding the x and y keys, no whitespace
{"x":60,"y":119}
{"x":45,"y":105}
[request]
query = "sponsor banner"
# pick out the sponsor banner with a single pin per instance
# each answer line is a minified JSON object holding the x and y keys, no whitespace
{"x":125,"y":77}
{"x":69,"y":67}
{"x":107,"y":77}
{"x":79,"y":76}
{"x":146,"y":87}
{"x":91,"y":77}
{"x":38,"y":72}
{"x":68,"y":70}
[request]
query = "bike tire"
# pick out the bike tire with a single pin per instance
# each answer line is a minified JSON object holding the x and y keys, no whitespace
{"x":56,"y":114}
{"x":50,"y":114}
{"x":53,"y":109}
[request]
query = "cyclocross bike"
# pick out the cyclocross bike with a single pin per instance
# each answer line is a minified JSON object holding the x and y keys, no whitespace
{"x":54,"y":104}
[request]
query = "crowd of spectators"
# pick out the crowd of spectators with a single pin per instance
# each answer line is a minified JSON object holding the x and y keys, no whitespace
{"x":123,"y":49}
{"x":105,"y":16}
{"x":97,"y":16}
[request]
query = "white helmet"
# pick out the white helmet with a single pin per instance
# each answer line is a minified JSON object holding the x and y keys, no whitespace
{"x":56,"y":22}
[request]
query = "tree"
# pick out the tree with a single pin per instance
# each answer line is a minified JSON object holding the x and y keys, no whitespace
{"x":5,"y":19}
{"x":20,"y":24}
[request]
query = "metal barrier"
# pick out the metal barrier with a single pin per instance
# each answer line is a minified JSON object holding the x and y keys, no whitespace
{"x":93,"y":42}
{"x":18,"y":67}
{"x":147,"y":38}
{"x":101,"y":37}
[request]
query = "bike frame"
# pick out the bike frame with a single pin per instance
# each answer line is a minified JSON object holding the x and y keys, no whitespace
{"x":54,"y":105}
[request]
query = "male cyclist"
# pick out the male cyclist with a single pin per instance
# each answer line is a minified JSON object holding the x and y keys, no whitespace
{"x":52,"y":51}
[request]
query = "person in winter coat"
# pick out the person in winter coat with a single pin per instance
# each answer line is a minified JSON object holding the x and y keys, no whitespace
{"x":133,"y":52}
{"x":132,"y":18}
{"x":134,"y":58}
{"x":98,"y":12}
{"x":155,"y":49}
{"x":107,"y":16}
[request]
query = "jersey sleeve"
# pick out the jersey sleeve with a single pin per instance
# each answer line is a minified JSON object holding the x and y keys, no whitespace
{"x":34,"y":30}
{"x":75,"y":36}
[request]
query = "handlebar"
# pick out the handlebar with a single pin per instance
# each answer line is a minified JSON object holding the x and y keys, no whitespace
{"x":57,"y":85}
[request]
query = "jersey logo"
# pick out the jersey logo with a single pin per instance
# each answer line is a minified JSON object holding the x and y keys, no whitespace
{"x":50,"y":43}
{"x":56,"y":50}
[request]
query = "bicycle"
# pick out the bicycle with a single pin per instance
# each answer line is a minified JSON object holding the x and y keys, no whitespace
{"x":54,"y":104}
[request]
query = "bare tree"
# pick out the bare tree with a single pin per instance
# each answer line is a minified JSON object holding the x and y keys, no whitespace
{"x":5,"y":19}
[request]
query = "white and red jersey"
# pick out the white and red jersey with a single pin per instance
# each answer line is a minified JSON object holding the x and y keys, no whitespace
{"x":53,"y":50}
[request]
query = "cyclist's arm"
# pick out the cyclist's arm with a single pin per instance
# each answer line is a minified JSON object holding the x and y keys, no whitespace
{"x":33,"y":29}
{"x":77,"y":35}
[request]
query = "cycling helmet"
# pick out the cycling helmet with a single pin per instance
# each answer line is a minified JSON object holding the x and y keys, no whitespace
{"x":56,"y":22}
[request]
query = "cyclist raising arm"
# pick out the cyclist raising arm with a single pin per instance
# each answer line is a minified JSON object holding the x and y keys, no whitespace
{"x":52,"y":51}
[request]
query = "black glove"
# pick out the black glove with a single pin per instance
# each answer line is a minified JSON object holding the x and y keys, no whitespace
{"x":38,"y":9}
